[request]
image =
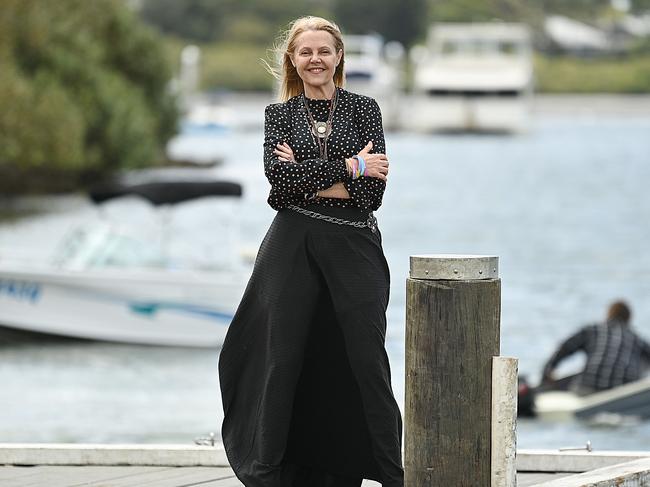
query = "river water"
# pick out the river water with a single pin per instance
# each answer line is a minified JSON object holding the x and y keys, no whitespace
{"x":566,"y":207}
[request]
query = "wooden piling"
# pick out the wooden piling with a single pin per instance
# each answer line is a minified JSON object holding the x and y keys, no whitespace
{"x":452,"y":333}
{"x":504,"y":421}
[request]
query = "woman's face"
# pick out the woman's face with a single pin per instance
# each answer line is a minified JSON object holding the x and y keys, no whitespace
{"x":316,"y":58}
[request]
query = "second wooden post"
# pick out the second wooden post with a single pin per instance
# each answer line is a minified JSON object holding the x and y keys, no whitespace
{"x":452,"y":333}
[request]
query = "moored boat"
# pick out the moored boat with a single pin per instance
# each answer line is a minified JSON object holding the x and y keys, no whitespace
{"x":374,"y":69}
{"x":472,"y":77}
{"x":106,"y":285}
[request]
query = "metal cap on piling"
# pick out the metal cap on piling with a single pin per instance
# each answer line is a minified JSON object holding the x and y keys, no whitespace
{"x":454,"y":267}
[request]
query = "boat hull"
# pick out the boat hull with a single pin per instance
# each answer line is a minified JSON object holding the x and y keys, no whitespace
{"x":628,"y":400}
{"x":150,"y":307}
{"x":450,"y":113}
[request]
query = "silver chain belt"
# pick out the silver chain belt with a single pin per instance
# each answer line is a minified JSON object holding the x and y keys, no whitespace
{"x":370,"y":223}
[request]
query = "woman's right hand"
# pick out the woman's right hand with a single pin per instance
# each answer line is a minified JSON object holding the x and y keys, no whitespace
{"x":376,"y":164}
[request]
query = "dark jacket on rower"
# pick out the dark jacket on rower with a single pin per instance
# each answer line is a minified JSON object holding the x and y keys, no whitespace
{"x":616,"y":355}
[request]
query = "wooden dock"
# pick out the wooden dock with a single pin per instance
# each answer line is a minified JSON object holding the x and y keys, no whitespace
{"x":128,"y":476}
{"x":117,"y":476}
{"x":76,"y":465}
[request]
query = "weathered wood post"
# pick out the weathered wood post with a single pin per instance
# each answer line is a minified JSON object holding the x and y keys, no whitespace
{"x":452,"y":332}
{"x":504,"y":421}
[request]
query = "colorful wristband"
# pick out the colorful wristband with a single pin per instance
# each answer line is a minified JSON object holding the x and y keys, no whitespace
{"x":361,"y":169}
{"x":362,"y":166}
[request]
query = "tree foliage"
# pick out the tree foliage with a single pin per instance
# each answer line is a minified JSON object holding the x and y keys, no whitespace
{"x":404,"y":21}
{"x":258,"y":21}
{"x":83,"y":89}
{"x":245,"y":21}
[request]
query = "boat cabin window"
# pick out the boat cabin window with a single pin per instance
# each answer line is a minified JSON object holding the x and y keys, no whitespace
{"x":479,"y":47}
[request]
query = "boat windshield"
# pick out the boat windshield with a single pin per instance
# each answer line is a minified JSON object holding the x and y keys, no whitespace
{"x":94,"y":246}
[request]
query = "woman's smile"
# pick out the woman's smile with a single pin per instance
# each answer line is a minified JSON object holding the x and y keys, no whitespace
{"x":316,"y":58}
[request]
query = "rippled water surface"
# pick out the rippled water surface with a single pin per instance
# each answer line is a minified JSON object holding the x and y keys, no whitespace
{"x":566,"y":208}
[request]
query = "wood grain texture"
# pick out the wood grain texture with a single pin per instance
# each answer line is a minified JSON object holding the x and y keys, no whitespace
{"x":504,"y":421}
{"x":452,"y":333}
{"x":122,"y":476}
{"x":78,"y":476}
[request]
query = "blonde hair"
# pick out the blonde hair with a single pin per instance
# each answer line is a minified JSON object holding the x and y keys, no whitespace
{"x":285,"y":72}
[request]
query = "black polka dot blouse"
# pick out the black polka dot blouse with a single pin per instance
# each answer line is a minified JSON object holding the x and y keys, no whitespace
{"x":356,"y":121}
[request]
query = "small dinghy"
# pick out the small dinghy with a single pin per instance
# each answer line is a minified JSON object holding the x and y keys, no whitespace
{"x":557,"y":402}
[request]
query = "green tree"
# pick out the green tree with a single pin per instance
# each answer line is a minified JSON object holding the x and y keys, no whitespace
{"x":581,"y":9}
{"x":245,"y":21}
{"x":199,"y":20}
{"x":404,"y":21}
{"x":641,"y":6}
{"x":83,"y":91}
{"x":487,"y":10}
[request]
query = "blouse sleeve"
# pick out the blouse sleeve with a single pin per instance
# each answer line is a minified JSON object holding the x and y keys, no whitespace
{"x":303,"y":177}
{"x":367,"y":192}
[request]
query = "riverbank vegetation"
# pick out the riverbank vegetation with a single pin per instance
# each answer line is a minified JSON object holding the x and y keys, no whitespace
{"x":83,"y":93}
{"x":624,"y":75}
{"x":235,"y":36}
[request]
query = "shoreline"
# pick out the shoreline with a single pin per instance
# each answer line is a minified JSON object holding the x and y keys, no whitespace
{"x":581,"y":105}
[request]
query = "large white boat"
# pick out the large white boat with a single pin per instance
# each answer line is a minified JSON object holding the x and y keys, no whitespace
{"x":104,"y":284}
{"x":374,"y":69}
{"x":472,"y":77}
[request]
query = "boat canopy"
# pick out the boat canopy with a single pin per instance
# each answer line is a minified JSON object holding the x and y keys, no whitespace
{"x":163,"y":193}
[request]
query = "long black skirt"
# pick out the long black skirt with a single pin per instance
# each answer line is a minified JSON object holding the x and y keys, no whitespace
{"x":305,"y":379}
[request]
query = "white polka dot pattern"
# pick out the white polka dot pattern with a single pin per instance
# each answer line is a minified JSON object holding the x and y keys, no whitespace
{"x":357,"y":120}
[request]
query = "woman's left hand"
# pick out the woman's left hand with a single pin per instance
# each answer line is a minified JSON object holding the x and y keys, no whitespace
{"x":284,"y":152}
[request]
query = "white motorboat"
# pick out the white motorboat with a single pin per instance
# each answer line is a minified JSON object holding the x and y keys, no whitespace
{"x":105,"y":285}
{"x":374,"y":69}
{"x":472,"y":77}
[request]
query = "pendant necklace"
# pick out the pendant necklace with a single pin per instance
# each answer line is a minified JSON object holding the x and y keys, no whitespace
{"x":320,"y":131}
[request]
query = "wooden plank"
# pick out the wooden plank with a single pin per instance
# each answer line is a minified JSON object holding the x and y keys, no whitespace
{"x":102,"y":454}
{"x":630,"y":474}
{"x":234,"y":482}
{"x":528,"y":460}
{"x":123,"y":476}
{"x":532,"y":479}
{"x":62,"y":476}
{"x":504,"y":421}
{"x":230,"y":482}
{"x":575,"y":461}
{"x":550,"y":461}
{"x":14,"y":472}
{"x":174,"y":477}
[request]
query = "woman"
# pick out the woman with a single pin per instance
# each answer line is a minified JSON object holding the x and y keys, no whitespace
{"x":305,"y":378}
